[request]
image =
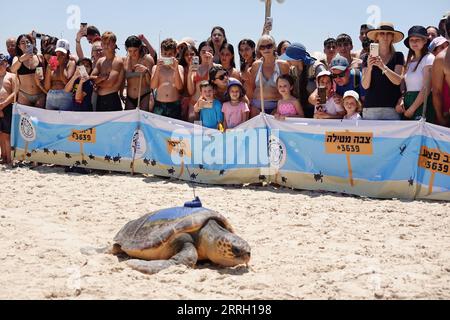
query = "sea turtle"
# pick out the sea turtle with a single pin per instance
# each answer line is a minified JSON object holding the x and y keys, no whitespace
{"x":181,"y":235}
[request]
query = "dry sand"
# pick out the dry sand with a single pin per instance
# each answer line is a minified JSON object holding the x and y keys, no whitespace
{"x":305,"y":245}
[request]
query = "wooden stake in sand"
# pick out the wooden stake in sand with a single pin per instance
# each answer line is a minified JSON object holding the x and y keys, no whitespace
{"x":435,"y":161}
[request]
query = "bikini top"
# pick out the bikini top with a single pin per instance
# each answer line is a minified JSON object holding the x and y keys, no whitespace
{"x":23,"y":70}
{"x":272,"y":81}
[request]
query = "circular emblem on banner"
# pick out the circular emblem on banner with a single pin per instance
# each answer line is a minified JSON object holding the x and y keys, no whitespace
{"x":138,"y":144}
{"x":26,"y":129}
{"x":277,"y":152}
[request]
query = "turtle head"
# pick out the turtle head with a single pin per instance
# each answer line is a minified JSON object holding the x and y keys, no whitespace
{"x":223,"y":247}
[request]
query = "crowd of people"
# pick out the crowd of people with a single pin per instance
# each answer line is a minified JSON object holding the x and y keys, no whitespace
{"x":191,"y":83}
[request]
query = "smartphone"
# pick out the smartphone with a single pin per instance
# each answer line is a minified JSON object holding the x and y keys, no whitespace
{"x":322,"y":91}
{"x":30,"y":49}
{"x":83,"y":72}
{"x":195,"y":62}
{"x":374,"y":49}
{"x":83,"y":28}
{"x":269,"y":23}
{"x":167,"y":61}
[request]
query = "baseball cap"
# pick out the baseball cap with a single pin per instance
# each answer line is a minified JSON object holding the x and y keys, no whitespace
{"x":323,"y":73}
{"x":297,"y":52}
{"x":234,"y":82}
{"x":339,"y":63}
{"x":353,"y":94}
{"x":436,"y":43}
{"x":3,"y":57}
{"x":62,"y":46}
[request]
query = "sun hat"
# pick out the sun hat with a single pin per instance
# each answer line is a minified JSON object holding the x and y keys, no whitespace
{"x":439,"y":41}
{"x":353,"y":94}
{"x":416,"y":31}
{"x":297,"y":52}
{"x":339,"y":63}
{"x":386,"y":27}
{"x":62,"y":46}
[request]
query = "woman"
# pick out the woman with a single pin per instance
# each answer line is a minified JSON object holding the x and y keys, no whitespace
{"x":198,"y":74}
{"x":187,"y":55}
{"x":219,"y":77}
{"x":382,"y":75}
{"x":59,"y":71}
{"x":218,"y":38}
{"x":138,"y":68}
{"x":265,"y":73}
{"x":81,"y":87}
{"x":282,"y":46}
{"x":417,"y":77}
{"x":227,"y":61}
{"x":247,"y":56}
{"x":31,"y":91}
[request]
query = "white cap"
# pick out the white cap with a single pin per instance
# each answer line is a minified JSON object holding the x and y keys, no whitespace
{"x":438,"y":41}
{"x":62,"y":46}
{"x":324,"y":73}
{"x":352,"y":94}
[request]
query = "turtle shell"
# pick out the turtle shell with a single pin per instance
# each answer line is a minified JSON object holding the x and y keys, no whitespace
{"x":156,"y":229}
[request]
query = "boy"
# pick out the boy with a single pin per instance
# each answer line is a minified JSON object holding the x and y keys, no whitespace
{"x":210,"y":109}
{"x":331,"y":109}
{"x":167,"y":80}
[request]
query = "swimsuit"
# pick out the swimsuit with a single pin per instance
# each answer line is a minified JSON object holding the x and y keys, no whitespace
{"x":109,"y":102}
{"x":132,"y":103}
{"x":168,"y":109}
{"x":269,"y":105}
{"x":23,"y":71}
{"x":287,"y":109}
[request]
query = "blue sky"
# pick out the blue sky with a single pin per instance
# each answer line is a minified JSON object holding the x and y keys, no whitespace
{"x":309,"y":22}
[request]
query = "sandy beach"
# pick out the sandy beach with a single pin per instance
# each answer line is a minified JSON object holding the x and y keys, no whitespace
{"x":305,"y":245}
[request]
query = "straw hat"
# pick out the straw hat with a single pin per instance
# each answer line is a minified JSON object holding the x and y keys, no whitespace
{"x":386,"y":27}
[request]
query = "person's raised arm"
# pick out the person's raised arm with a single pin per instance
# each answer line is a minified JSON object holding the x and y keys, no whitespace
{"x":79,"y":49}
{"x":367,"y":73}
{"x":155,"y":75}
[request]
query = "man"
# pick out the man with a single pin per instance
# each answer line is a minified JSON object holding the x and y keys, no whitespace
{"x":365,"y":41}
{"x":11,"y":47}
{"x":441,"y":84}
{"x":92,"y":35}
{"x":167,"y":79}
{"x":108,"y":76}
{"x":344,"y":45}
{"x":329,"y":48}
{"x":7,"y":94}
{"x":345,"y":78}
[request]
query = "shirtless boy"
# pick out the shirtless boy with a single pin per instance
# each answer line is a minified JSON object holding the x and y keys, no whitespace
{"x":167,"y":80}
{"x":108,"y":76}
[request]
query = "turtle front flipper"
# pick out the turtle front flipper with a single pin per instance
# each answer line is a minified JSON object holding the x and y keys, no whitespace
{"x":187,"y":256}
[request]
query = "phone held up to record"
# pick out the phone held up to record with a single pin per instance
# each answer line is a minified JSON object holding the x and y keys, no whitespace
{"x":374,"y":49}
{"x":322,"y":91}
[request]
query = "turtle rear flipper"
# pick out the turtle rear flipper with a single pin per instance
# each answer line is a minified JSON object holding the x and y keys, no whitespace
{"x":90,"y":251}
{"x":187,"y":256}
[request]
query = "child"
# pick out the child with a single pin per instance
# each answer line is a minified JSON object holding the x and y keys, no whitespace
{"x":210,"y":109}
{"x":81,"y":87}
{"x":235,"y":110}
{"x":352,"y":105}
{"x":331,"y":109}
{"x":288,"y":106}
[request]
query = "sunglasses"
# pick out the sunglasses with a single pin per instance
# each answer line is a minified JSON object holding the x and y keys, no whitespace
{"x":339,"y":76}
{"x":222,"y":77}
{"x":266,"y":47}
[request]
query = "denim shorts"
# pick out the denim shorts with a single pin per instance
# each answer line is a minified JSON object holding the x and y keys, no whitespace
{"x":59,"y":100}
{"x":380,"y":114}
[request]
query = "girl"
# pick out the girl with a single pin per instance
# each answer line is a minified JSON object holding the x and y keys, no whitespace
{"x":288,"y":106}
{"x":227,"y":60}
{"x":352,"y":105}
{"x":81,"y":88}
{"x":31,"y":91}
{"x":219,"y":78}
{"x":235,"y":110}
{"x":187,"y":55}
{"x":199,"y":74}
{"x":265,"y":73}
{"x":138,"y":66}
{"x":218,"y":38}
{"x":282,"y":46}
{"x":417,"y":77}
{"x":330,"y":109}
{"x":247,"y":56}
{"x":59,"y":71}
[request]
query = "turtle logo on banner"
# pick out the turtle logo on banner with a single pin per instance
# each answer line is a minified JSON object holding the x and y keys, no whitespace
{"x":277,"y":153}
{"x":139,"y":144}
{"x":27,"y":130}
